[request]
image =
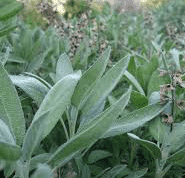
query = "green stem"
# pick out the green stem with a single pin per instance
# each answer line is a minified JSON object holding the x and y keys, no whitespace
{"x":165,"y":65}
{"x":65,"y":129}
{"x":132,"y":154}
{"x":173,"y":99}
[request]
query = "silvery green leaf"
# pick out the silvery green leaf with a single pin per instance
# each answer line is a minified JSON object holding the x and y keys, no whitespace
{"x":10,"y":107}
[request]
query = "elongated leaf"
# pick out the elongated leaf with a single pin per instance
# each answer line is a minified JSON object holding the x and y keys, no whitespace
{"x":42,"y":158}
{"x":22,"y":168}
{"x":103,"y":87}
{"x":6,"y":31}
{"x":137,"y":174}
{"x":178,"y":157}
{"x":97,"y":155}
{"x":10,"y":10}
{"x":38,"y":78}
{"x":158,"y":129}
{"x":144,"y":72}
{"x":43,"y":171}
{"x":57,"y":100}
{"x":8,"y":149}
{"x":114,"y":172}
{"x":31,"y":86}
{"x":64,"y":67}
{"x":5,"y":133}
{"x":9,"y":168}
{"x":10,"y":107}
{"x":37,"y":61}
{"x":175,"y":139}
{"x":34,"y":135}
{"x":97,"y":109}
{"x":175,"y":62}
{"x":132,"y":66}
{"x":90,"y":134}
{"x":89,"y":77}
{"x":134,"y":120}
{"x":134,"y":81}
{"x":150,"y":146}
{"x":155,"y":81}
{"x":2,"y":164}
{"x":154,"y":98}
{"x":86,"y":173}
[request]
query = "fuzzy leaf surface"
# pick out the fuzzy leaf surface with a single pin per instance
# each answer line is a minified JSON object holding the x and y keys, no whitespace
{"x":8,"y":149}
{"x":64,"y":67}
{"x":57,"y":99}
{"x":90,"y":134}
{"x":89,"y":77}
{"x":103,"y":87}
{"x":133,"y":120}
{"x":31,"y":86}
{"x":10,"y":107}
{"x":150,"y":146}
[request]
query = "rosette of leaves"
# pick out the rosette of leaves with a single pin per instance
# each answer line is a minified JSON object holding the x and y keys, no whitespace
{"x":75,"y":101}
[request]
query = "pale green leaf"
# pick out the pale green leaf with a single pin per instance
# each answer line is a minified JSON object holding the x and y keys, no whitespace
{"x":103,"y":87}
{"x":43,"y":171}
{"x":42,"y":158}
{"x":90,"y":134}
{"x":134,"y":120}
{"x":176,"y":139}
{"x":34,"y":135}
{"x":31,"y":86}
{"x":5,"y":133}
{"x":134,"y":81}
{"x":177,"y":157}
{"x":154,"y":98}
{"x":8,"y":149}
{"x":155,"y":81}
{"x":10,"y":168}
{"x":158,"y":129}
{"x":38,"y":78}
{"x":57,"y":100}
{"x":89,"y":77}
{"x":10,"y":107}
{"x":150,"y":146}
{"x":64,"y":67}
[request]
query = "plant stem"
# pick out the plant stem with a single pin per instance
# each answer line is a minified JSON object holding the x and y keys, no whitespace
{"x":65,"y":129}
{"x":173,"y":98}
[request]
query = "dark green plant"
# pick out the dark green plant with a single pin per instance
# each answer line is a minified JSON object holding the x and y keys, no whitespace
{"x":171,"y":13}
{"x":75,"y":8}
{"x":8,"y":11}
{"x":31,"y":16}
